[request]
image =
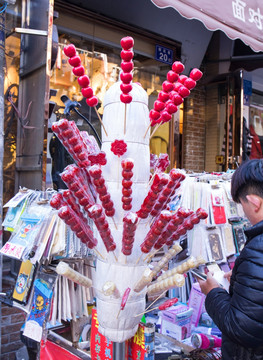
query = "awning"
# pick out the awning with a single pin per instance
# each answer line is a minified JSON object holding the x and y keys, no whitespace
{"x":238,"y":19}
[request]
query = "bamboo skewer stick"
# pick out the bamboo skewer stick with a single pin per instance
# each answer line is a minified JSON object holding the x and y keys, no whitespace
{"x":97,"y":251}
{"x":150,"y":182}
{"x":147,"y":130}
{"x":155,"y":129}
{"x":116,"y":227}
{"x":139,"y":258}
{"x":158,"y":297}
{"x":100,"y":120}
{"x":151,"y":254}
{"x":118,"y":314}
{"x":138,"y":222}
{"x":125,"y":110}
{"x":115,"y":257}
{"x":146,"y":311}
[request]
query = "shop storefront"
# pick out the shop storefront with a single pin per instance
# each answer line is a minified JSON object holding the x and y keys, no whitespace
{"x":75,"y":271}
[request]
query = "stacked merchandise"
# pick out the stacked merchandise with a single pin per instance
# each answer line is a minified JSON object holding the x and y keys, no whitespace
{"x":218,"y":241}
{"x":39,"y":240}
{"x":39,"y":236}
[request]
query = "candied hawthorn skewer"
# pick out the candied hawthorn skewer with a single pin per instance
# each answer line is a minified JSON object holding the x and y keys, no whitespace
{"x":163,"y":110}
{"x":168,"y":303}
{"x":159,"y":181}
{"x":124,"y":300}
{"x":57,"y":201}
{"x":126,"y":74}
{"x":161,"y":163}
{"x":127,"y":166}
{"x":176,"y":219}
{"x":127,"y":67}
{"x":76,"y":180}
{"x":99,"y":182}
{"x":69,"y":135}
{"x":66,"y":197}
{"x":83,"y":79}
{"x":97,"y":215}
{"x":95,"y":156}
{"x":174,"y":223}
{"x":172,"y":95}
{"x":169,"y":231}
{"x":80,"y":145}
{"x":175,"y":178}
{"x":82,"y":230}
{"x":189,"y":222}
{"x":130,"y":221}
{"x":155,"y":231}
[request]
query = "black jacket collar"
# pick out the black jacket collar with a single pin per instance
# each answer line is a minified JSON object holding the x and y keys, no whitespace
{"x":254,"y":230}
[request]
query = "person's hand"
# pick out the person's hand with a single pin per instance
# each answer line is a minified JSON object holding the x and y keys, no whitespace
{"x":209,"y":284}
{"x":227,"y":275}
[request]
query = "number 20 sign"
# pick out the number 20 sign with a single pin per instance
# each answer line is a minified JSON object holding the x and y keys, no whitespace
{"x":163,"y":54}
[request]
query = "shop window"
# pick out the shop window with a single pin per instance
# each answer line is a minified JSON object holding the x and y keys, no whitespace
{"x":256,"y":125}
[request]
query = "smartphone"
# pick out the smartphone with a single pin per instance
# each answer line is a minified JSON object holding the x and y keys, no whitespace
{"x":198,"y":274}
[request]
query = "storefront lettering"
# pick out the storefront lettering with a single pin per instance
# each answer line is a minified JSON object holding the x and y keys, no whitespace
{"x":256,"y":17}
{"x":238,"y":7}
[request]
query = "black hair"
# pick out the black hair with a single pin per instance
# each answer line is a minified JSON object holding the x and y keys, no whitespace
{"x":247,"y":180}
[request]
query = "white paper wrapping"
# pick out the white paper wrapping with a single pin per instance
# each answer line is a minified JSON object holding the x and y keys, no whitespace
{"x":118,"y":328}
{"x":125,"y":273}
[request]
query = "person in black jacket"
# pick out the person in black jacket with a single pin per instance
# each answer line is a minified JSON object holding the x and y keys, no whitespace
{"x":239,"y":313}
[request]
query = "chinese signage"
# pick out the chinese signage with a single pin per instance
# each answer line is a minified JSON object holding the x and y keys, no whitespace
{"x":12,"y":250}
{"x":100,"y":346}
{"x":136,"y":345}
{"x":242,"y":11}
{"x":241,"y":19}
{"x":102,"y":349}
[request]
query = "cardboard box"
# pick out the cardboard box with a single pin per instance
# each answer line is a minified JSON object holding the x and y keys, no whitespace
{"x":176,"y":322}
